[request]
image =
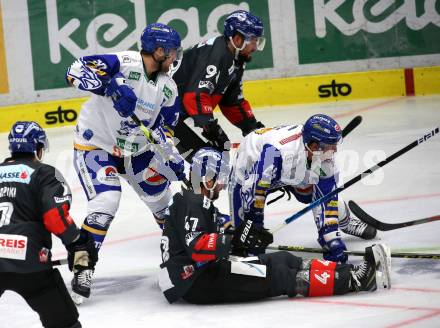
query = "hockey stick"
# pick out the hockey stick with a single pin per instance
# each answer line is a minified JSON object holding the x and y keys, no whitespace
{"x":357,"y":178}
{"x":383,"y":226}
{"x":351,"y":125}
{"x":153,"y":141}
{"x":59,"y":262}
{"x":302,"y":249}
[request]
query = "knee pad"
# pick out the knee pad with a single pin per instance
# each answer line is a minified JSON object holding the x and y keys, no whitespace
{"x":159,"y":205}
{"x":105,"y":202}
{"x":102,"y":210}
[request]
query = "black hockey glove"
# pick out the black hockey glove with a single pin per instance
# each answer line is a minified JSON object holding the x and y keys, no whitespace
{"x":251,"y":238}
{"x":215,"y":134}
{"x":82,"y":254}
{"x":249,"y":125}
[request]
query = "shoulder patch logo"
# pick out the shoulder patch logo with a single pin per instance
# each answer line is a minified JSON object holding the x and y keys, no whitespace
{"x":134,"y":76}
{"x":167,"y":92}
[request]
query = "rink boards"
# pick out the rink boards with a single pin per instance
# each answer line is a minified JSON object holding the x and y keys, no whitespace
{"x":262,"y":93}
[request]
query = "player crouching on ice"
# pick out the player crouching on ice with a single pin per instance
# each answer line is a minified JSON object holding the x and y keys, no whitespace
{"x":198,"y":268}
{"x":300,"y":158}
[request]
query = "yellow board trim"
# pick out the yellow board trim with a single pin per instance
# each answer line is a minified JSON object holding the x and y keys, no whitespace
{"x":262,"y":93}
{"x":4,"y":84}
{"x":427,"y":80}
{"x":306,"y":89}
{"x":48,"y":114}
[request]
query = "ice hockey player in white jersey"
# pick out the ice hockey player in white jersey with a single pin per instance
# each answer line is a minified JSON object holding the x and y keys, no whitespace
{"x":300,"y":157}
{"x":108,"y":141}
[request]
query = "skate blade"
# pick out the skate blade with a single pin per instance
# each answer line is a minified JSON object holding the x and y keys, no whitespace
{"x":382,"y":256}
{"x":76,"y":298}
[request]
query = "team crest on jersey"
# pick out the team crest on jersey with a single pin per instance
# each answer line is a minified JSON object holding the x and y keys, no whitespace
{"x":108,"y":175}
{"x":134,"y":76}
{"x":126,"y":59}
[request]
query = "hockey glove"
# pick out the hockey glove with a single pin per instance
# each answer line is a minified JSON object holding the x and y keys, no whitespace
{"x":333,"y":249}
{"x":124,"y":99}
{"x":249,"y":125}
{"x":215,"y":134}
{"x":82,"y":254}
{"x":250,"y":237}
{"x":178,"y":166}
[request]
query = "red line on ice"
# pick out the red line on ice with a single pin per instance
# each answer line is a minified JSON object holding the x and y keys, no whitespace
{"x":366,"y":108}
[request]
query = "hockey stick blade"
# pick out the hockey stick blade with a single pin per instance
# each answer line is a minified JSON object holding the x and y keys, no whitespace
{"x":302,"y":249}
{"x":351,"y":125}
{"x":383,"y":226}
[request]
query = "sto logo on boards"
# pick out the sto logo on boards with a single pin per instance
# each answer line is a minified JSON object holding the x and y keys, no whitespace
{"x":334,"y":89}
{"x":61,"y":116}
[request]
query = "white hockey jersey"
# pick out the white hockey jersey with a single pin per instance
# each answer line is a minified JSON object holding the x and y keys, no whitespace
{"x":99,"y":124}
{"x":290,"y":166}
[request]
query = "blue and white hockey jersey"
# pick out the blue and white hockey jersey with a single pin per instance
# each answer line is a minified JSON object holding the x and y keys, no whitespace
{"x":270,"y":158}
{"x":99,"y":125}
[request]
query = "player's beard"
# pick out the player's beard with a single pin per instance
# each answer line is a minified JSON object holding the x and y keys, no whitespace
{"x":244,"y":59}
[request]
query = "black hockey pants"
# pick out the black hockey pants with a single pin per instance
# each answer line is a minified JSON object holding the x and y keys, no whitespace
{"x":218,"y":285}
{"x":46,"y":294}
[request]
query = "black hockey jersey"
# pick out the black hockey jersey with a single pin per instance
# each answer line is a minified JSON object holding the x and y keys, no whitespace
{"x":34,"y":202}
{"x":207,"y":76}
{"x":192,"y":239}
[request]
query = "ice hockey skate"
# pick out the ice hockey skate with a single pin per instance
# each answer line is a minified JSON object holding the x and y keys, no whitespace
{"x":352,"y":225}
{"x":81,"y":285}
{"x":374,"y":272}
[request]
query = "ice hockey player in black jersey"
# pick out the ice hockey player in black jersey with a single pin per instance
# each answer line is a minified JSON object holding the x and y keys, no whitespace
{"x":210,"y":74}
{"x":197,"y":265}
{"x":35,"y":202}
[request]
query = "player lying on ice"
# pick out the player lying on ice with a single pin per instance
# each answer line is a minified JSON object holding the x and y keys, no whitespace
{"x":197,"y":265}
{"x":300,"y":158}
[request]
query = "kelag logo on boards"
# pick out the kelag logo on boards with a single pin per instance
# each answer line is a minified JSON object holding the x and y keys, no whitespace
{"x":334,"y":89}
{"x":366,"y":29}
{"x":88,"y":27}
{"x":61,"y":116}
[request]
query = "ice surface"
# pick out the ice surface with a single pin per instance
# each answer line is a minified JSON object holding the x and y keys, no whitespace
{"x":126,"y":292}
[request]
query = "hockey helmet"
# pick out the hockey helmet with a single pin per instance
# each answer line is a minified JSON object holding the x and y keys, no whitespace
{"x":247,"y":24}
{"x":209,"y":164}
{"x":160,"y":35}
{"x":27,"y":137}
{"x":322,"y":129}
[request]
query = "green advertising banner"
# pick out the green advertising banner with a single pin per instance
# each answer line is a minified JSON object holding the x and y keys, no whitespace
{"x":336,"y":30}
{"x":62,"y":30}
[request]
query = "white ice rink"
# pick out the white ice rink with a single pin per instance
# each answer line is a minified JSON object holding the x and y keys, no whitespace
{"x":126,"y":293}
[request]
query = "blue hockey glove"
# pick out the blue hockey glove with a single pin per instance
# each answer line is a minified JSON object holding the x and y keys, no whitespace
{"x":124,"y":99}
{"x":333,"y":249}
{"x":178,"y":166}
